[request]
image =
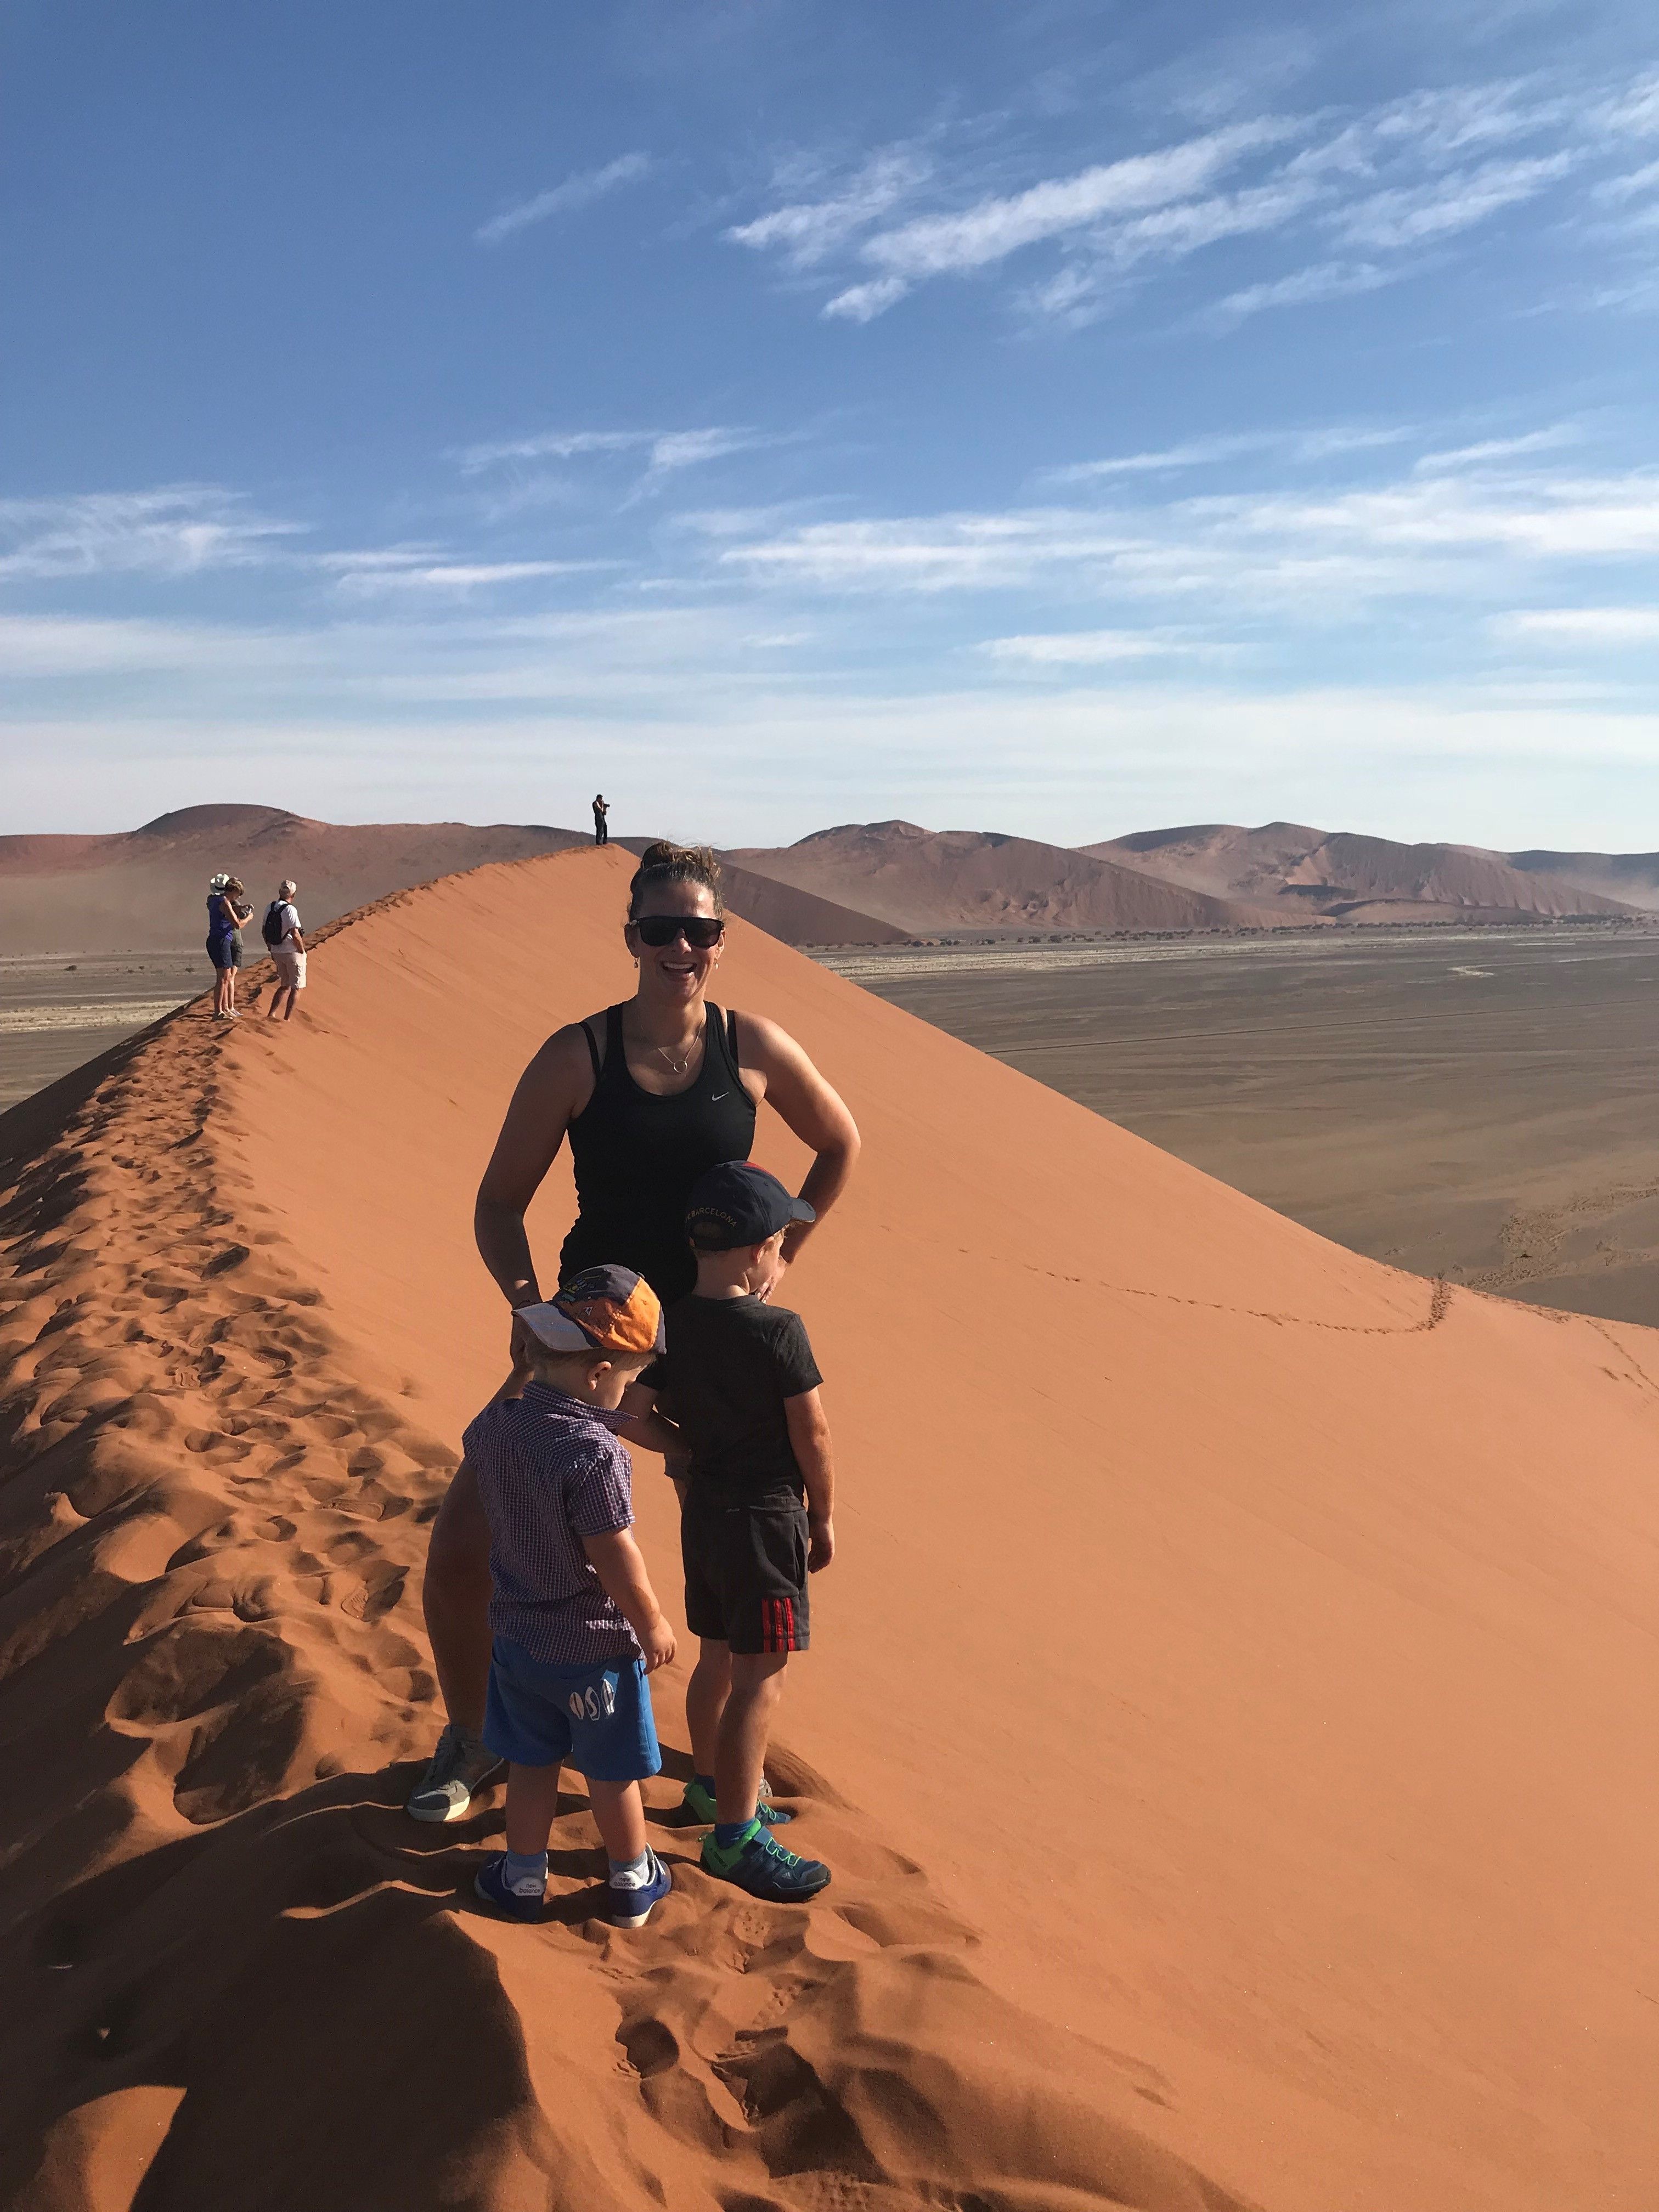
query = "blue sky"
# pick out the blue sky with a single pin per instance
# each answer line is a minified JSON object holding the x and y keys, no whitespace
{"x":1059,"y":418}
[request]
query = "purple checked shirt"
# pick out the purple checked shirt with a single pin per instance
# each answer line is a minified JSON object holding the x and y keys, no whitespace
{"x":549,"y":1473}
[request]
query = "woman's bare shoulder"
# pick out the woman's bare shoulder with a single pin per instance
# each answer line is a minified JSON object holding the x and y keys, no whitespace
{"x":762,"y":1042}
{"x":565,"y":1060}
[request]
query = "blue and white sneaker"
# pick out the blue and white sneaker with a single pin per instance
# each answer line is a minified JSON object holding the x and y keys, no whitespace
{"x":635,"y":1897}
{"x":527,"y":1903}
{"x":699,"y":1803}
{"x":764,"y":1868}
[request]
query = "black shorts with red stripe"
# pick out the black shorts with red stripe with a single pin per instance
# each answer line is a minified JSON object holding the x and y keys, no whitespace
{"x":745,"y":1573}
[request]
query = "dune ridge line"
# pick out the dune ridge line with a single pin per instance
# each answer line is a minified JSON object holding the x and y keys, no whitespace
{"x":237,"y":1953}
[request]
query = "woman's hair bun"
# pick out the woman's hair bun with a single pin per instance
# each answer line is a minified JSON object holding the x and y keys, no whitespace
{"x":668,"y":863}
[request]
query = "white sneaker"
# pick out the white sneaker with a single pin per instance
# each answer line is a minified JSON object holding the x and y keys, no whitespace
{"x":461,"y":1765}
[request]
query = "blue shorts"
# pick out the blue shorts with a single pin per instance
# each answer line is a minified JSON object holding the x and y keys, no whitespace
{"x":598,"y":1718}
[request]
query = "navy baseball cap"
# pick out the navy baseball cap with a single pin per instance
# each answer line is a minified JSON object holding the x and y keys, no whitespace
{"x":734,"y":1204}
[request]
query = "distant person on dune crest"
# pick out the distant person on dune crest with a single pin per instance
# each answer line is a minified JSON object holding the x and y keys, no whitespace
{"x":285,"y":940}
{"x":739,"y":1386}
{"x":651,"y":1094}
{"x":228,"y":909}
{"x":576,"y":1624}
{"x":601,"y":832}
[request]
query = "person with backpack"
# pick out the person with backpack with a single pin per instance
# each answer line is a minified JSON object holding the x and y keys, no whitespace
{"x":601,"y":827}
{"x":282,"y":935}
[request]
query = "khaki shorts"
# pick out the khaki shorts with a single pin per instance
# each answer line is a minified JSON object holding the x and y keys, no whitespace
{"x":291,"y":966}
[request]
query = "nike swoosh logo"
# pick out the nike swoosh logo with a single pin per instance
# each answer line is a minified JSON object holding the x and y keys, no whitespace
{"x":718,"y":1096}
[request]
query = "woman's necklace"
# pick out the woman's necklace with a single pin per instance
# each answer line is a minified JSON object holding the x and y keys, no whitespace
{"x":677,"y":1066}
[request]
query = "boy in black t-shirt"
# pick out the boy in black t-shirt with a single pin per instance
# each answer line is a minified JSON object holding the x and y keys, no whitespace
{"x":740,"y":1383}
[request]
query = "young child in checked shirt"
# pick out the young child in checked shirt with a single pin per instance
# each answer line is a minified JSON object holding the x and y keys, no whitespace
{"x":576,"y":1625}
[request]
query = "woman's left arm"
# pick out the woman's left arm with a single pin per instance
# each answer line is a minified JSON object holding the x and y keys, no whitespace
{"x":811,"y":1107}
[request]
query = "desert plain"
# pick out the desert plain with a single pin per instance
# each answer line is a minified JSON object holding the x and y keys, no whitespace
{"x":1475,"y":1104}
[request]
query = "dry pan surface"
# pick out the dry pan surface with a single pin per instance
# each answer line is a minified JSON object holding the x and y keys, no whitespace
{"x":1232,"y":1720}
{"x":1471,"y":1103}
{"x":57,"y":1012}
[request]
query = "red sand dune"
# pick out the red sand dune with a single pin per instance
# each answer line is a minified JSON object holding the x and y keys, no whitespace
{"x":1354,"y":879}
{"x":929,"y":881}
{"x":145,"y":890}
{"x":799,"y":917}
{"x":1232,"y":1715}
{"x":1631,"y":877}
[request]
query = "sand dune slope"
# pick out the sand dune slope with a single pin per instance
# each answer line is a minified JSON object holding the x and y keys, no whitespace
{"x":929,"y":880}
{"x":1358,"y":879}
{"x":1631,"y":878}
{"x":1231,"y":1721}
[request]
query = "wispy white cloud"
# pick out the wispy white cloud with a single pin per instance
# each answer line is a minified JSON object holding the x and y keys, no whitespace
{"x":367,"y":578}
{"x":861,"y":303}
{"x":1575,"y":627}
{"x":1303,"y":444}
{"x":806,"y":232}
{"x":1321,"y":280}
{"x":579,"y":191}
{"x":1195,"y":453}
{"x":687,"y":449}
{"x":551,"y":445}
{"x":1486,"y":451}
{"x":1390,"y":183}
{"x":1463,"y":531}
{"x":1630,"y":184}
{"x":176,"y":529}
{"x":1635,"y":112}
{"x":1002,"y":224}
{"x":1085,"y":648}
{"x":1409,"y":215}
{"x":663,"y":451}
{"x":90,"y":646}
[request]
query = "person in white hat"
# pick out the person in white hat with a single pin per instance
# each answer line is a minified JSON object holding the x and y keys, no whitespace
{"x":228,"y":909}
{"x":286,"y":941}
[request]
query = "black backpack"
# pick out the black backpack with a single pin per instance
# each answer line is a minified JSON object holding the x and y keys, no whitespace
{"x":271,"y":927}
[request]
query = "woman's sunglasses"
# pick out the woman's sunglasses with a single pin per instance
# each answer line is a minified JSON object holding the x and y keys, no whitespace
{"x":701,"y":931}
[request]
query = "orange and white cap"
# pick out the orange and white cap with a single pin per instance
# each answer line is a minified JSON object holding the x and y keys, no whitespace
{"x":602,"y":1310}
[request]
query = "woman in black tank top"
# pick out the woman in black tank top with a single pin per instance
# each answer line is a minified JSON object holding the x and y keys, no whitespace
{"x":637,"y":1154}
{"x":649,"y":1093}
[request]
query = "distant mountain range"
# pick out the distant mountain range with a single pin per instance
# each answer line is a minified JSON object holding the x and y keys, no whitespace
{"x":1312,"y":873}
{"x":146,"y":890}
{"x":928,"y":881}
{"x":1216,"y":876}
{"x":861,"y":884}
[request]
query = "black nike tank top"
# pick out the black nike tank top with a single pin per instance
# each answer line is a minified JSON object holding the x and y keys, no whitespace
{"x":637,"y":1155}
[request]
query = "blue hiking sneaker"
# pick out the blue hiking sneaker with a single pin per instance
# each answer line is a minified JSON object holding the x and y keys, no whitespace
{"x":635,"y":1897}
{"x":699,"y":1803}
{"x":514,"y":1904}
{"x":764,"y":1868}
